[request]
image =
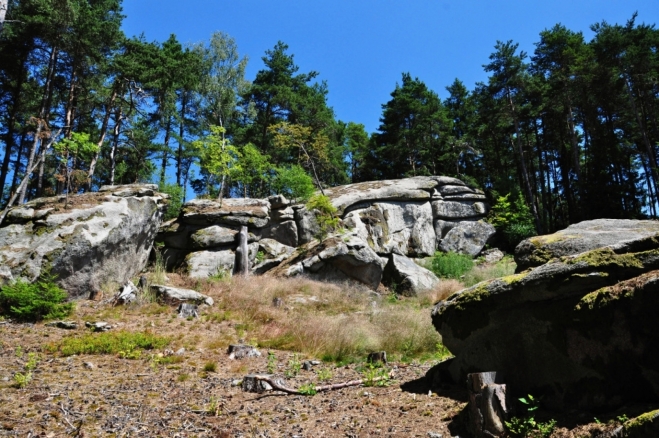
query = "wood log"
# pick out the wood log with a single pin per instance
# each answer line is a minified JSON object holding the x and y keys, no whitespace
{"x":488,"y":408}
{"x":251,"y":384}
{"x":241,"y":264}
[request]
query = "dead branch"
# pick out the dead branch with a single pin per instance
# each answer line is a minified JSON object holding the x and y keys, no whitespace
{"x":278,"y":386}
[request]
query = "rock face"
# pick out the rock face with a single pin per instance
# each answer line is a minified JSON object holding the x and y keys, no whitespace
{"x":580,"y":330}
{"x":411,"y":217}
{"x":581,"y":237}
{"x":409,"y":278}
{"x":97,"y":238}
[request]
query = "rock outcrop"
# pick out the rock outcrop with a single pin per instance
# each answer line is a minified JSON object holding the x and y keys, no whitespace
{"x":337,"y":258}
{"x":411,"y":217}
{"x":96,"y":238}
{"x":581,"y":237}
{"x":580,"y":330}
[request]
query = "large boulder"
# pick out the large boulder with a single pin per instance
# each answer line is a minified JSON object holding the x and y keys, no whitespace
{"x":209,"y":263}
{"x":337,"y":258}
{"x":580,"y":330}
{"x":467,"y":238}
{"x":90,"y":240}
{"x":408,"y":277}
{"x":581,"y":237}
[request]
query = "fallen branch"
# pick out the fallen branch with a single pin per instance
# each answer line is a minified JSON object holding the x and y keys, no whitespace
{"x":277,"y":385}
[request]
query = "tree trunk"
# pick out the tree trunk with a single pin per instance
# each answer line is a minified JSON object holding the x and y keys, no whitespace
{"x":3,"y":13}
{"x":45,"y":104}
{"x":525,"y":174}
{"x":488,"y":409}
{"x":241,"y":265}
{"x":115,"y":144}
{"x":165,"y":150}
{"x":104,"y":129}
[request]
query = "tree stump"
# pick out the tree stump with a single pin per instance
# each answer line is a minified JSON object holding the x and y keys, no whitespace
{"x":241,"y":264}
{"x":377,"y":357}
{"x":487,"y":405}
{"x":252,"y":383}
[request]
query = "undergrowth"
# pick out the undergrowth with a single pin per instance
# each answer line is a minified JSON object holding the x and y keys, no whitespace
{"x":125,"y":344}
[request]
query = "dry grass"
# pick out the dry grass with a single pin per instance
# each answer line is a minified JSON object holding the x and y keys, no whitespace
{"x":329,"y":321}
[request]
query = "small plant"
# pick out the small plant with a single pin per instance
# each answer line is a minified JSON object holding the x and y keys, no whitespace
{"x":375,"y":375}
{"x":324,"y":374}
{"x":272,"y":362}
{"x":43,"y":299}
{"x":325,"y":215}
{"x":210,"y":367}
{"x":260,"y":256}
{"x":622,"y":418}
{"x":220,"y":275}
{"x":18,"y":351}
{"x":307,"y":389}
{"x":528,"y":426}
{"x":183,"y":377}
{"x":450,"y":264}
{"x":442,"y":352}
{"x":22,"y":380}
{"x":294,"y":366}
{"x":214,"y":406}
{"x":32,"y":361}
{"x":130,"y":351}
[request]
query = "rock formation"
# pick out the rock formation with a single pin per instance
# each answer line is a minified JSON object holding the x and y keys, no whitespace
{"x":96,"y":238}
{"x":411,"y":217}
{"x":580,"y":330}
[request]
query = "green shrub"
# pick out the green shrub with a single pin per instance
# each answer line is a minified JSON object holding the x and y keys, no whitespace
{"x":43,"y":299}
{"x":450,"y":264}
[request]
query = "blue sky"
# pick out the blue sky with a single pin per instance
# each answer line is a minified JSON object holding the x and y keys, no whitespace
{"x":361,"y":47}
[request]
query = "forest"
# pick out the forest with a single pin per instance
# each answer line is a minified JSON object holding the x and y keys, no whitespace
{"x":564,"y":134}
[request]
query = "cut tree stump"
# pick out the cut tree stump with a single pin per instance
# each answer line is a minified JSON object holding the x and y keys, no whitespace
{"x":377,"y":357}
{"x":488,"y":409}
{"x":256,"y":383}
{"x":188,"y":310}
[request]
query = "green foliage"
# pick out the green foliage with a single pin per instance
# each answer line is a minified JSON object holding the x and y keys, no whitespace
{"x":308,"y":389}
{"x":450,"y":264}
{"x":43,"y":299}
{"x":325,"y":214}
{"x":22,"y":380}
{"x":294,"y":183}
{"x":216,"y":155}
{"x":527,"y":426}
{"x":482,"y":272}
{"x":294,"y":366}
{"x":272,"y":362}
{"x":253,"y":173}
{"x":121,"y":342}
{"x":32,"y":361}
{"x":512,"y":219}
{"x":376,"y":375}
{"x":175,"y":202}
{"x":324,"y":374}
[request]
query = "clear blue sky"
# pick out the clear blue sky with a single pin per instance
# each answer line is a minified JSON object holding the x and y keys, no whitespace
{"x":361,"y":47}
